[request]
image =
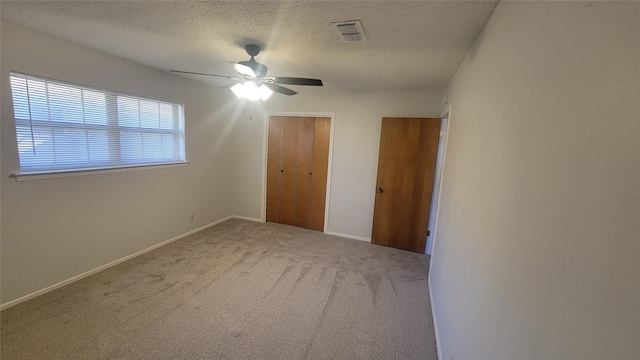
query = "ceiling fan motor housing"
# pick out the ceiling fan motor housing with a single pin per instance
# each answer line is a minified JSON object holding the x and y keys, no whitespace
{"x":252,"y":50}
{"x":259,"y":69}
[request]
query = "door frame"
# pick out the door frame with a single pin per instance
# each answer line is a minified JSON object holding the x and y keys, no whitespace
{"x":265,"y":141}
{"x":437,"y":187}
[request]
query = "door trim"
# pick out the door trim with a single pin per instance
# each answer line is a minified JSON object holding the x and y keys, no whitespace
{"x":446,"y":114}
{"x":265,"y":143}
{"x":434,"y":313}
{"x":437,"y":181}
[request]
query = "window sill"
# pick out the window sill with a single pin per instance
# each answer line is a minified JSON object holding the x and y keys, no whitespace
{"x":85,"y":172}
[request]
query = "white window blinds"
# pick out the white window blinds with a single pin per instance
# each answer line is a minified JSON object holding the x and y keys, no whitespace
{"x":68,"y":127}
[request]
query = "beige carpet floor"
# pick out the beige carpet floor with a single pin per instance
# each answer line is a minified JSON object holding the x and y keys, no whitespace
{"x":238,"y":290}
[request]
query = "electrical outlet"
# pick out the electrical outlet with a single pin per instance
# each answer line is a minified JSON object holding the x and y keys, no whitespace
{"x":193,"y":217}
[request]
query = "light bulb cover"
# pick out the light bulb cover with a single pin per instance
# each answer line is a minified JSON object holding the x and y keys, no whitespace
{"x":249,"y":90}
{"x":238,"y":90}
{"x":265,"y":92}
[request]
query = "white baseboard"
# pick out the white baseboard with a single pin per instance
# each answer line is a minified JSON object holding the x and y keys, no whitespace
{"x":435,"y":322}
{"x":361,"y":238}
{"x":106,"y":266}
{"x":245,"y":218}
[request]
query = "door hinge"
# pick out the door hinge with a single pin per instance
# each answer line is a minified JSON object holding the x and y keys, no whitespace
{"x":441,"y":133}
{"x":428,"y":232}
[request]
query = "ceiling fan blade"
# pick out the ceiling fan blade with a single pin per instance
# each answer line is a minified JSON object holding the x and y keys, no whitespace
{"x":230,"y":85}
{"x":197,"y":73}
{"x":244,"y":70}
{"x":280,"y":89}
{"x":294,"y":81}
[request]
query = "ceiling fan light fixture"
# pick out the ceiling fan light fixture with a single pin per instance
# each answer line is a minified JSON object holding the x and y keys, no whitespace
{"x":265,"y":92}
{"x":251,"y":91}
{"x":252,"y":84}
{"x":238,"y":90}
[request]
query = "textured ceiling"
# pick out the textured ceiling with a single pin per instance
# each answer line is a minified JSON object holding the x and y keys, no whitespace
{"x":410,"y":45}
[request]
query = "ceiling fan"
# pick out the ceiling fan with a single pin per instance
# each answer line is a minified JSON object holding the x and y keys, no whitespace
{"x":252,"y":82}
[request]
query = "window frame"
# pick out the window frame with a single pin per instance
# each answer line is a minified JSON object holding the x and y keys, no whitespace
{"x":112,"y":128}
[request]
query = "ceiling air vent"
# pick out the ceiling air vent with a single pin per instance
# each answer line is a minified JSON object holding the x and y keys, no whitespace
{"x":350,"y":30}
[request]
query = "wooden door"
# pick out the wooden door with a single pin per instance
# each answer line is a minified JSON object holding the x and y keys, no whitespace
{"x":406,"y":167}
{"x":319,"y":170}
{"x":274,"y":168}
{"x":288,"y":161}
{"x":302,"y":189}
{"x":297,"y":164}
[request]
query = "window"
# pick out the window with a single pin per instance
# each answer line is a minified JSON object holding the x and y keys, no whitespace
{"x":67,"y":127}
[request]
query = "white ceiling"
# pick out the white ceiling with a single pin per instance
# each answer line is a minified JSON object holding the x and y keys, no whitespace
{"x":410,"y":45}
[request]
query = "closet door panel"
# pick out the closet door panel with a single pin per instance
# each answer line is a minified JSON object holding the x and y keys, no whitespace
{"x":289,"y":150}
{"x":273,"y":169}
{"x":319,"y":169}
{"x":303,"y":172}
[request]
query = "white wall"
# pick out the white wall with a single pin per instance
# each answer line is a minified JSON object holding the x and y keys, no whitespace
{"x":358,"y":118}
{"x":537,"y":254}
{"x":55,"y":229}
